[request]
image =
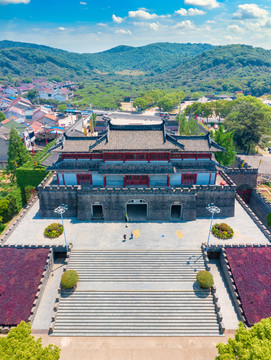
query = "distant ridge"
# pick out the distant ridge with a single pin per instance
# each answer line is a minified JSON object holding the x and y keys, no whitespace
{"x":197,"y":67}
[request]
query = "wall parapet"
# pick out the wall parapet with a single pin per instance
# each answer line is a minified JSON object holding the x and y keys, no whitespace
{"x":163,"y":190}
{"x":213,"y":290}
{"x":57,"y":299}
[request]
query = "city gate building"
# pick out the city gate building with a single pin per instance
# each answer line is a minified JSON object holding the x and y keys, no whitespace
{"x":138,"y":171}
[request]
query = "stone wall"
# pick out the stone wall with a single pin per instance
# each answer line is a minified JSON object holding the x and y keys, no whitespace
{"x":243,"y":176}
{"x":159,"y":200}
{"x":260,"y":206}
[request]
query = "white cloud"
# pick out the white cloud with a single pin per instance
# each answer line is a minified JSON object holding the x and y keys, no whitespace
{"x":142,"y":14}
{"x":154,"y":26}
{"x":250,"y":11}
{"x":102,"y":24}
{"x":194,"y":12}
{"x":6,"y":2}
{"x":123,"y":32}
{"x":190,"y":12}
{"x":83,"y":3}
{"x":209,"y":4}
{"x":186,"y":24}
{"x":61,"y":28}
{"x":235,"y":28}
{"x":210,"y":22}
{"x":117,"y":19}
{"x":182,"y":12}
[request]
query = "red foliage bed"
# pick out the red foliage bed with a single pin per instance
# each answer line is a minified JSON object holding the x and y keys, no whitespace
{"x":20,"y":275}
{"x":251,"y":270}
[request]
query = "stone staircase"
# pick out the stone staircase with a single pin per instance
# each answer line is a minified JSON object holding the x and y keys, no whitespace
{"x":145,"y":265}
{"x":136,"y":293}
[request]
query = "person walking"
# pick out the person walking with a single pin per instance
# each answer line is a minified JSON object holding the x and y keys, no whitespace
{"x":132,"y":236}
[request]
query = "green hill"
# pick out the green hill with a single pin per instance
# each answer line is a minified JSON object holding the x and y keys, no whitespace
{"x":37,"y":60}
{"x":225,"y":68}
{"x":195,"y":67}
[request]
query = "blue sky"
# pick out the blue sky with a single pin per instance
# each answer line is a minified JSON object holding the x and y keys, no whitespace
{"x":96,"y":25}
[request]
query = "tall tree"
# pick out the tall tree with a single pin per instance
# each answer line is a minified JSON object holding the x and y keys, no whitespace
{"x":225,"y":139}
{"x":249,"y":123}
{"x":20,"y":344}
{"x":17,"y":152}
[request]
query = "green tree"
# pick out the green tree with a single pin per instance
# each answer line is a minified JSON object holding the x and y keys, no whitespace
{"x":193,"y":126}
{"x":2,"y":117}
{"x":249,"y":123}
{"x":183,"y":124}
{"x":32,"y":94}
{"x":225,"y":139}
{"x":17,"y":152}
{"x":20,"y":344}
{"x":166,"y":103}
{"x":141,"y":103}
{"x":248,"y":344}
{"x":61,"y":108}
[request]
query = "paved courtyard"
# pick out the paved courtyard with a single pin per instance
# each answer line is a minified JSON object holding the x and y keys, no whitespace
{"x":147,"y":235}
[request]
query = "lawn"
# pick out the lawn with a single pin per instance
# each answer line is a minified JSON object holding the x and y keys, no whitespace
{"x":20,"y":275}
{"x":251,"y":270}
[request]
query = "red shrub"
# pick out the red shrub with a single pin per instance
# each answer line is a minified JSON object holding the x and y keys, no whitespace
{"x":20,"y":275}
{"x":251,"y":270}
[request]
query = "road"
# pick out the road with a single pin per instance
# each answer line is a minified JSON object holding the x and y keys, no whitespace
{"x":254,"y":161}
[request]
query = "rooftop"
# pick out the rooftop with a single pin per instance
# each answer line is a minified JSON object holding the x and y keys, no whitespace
{"x":129,"y":135}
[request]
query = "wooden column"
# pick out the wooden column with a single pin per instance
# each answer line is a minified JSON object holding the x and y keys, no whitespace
{"x":149,"y":179}
{"x":210,"y":177}
{"x":57,"y":176}
{"x":168,"y":180}
{"x":104,"y":181}
{"x":63,"y":178}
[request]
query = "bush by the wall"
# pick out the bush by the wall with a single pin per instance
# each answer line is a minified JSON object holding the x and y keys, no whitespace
{"x":28,"y":190}
{"x":205,"y":279}
{"x":69,"y":279}
{"x":268,"y":219}
{"x":30,"y":176}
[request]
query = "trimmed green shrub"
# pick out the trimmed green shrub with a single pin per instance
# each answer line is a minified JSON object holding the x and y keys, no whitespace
{"x":69,"y":279}
{"x":205,"y":279}
{"x":222,"y":231}
{"x":268,"y":218}
{"x":28,"y":176}
{"x":53,"y":230}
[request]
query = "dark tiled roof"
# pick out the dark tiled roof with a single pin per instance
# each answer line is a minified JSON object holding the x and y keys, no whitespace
{"x":136,"y":168}
{"x":130,"y":140}
{"x":51,"y":159}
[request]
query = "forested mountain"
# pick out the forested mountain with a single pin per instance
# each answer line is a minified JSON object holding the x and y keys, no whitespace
{"x":38,"y":60}
{"x":165,"y":65}
{"x":225,"y":68}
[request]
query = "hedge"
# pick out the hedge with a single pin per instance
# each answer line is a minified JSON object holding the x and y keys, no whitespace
{"x":268,"y":218}
{"x":30,"y":177}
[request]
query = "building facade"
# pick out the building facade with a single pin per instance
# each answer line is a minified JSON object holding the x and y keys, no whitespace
{"x":138,"y":172}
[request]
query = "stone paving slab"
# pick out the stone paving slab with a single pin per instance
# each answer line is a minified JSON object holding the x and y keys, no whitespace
{"x":230,"y":316}
{"x":136,"y":348}
{"x":44,"y":313}
{"x":137,"y":286}
{"x":148,"y":235}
